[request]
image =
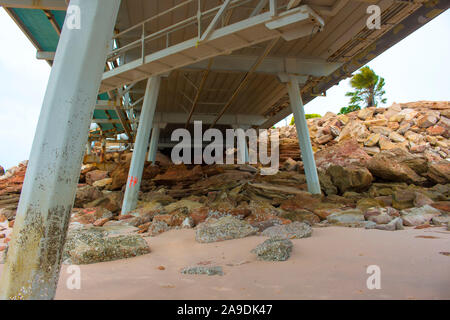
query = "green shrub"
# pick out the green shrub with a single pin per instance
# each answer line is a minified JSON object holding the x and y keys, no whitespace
{"x":307,"y":116}
{"x":349,"y":109}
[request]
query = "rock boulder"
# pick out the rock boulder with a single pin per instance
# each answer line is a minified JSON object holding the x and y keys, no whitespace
{"x":274,"y":249}
{"x":295,"y":230}
{"x":384,"y":166}
{"x":93,"y":245}
{"x":225,"y":228}
{"x":351,"y":178}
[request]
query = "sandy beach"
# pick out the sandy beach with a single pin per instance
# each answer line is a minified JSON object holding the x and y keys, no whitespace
{"x":331,"y":264}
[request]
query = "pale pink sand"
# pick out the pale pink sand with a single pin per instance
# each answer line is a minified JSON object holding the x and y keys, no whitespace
{"x":329,"y":265}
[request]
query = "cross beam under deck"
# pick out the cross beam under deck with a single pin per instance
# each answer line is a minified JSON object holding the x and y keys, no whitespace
{"x":33,"y":4}
{"x":291,"y":24}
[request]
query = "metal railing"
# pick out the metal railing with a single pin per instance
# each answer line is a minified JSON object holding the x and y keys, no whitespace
{"x":143,"y":39}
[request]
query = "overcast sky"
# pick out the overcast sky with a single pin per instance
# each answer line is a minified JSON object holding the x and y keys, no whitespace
{"x":417,"y":68}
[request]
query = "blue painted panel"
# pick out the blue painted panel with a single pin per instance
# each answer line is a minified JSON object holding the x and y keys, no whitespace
{"x":40,"y":28}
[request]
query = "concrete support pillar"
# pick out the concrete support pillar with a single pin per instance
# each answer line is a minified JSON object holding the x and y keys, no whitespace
{"x":303,"y":136}
{"x":34,"y":257}
{"x":246,"y":157}
{"x":242,"y":145}
{"x":88,"y":148}
{"x":140,"y":146}
{"x":103,"y":152}
{"x":153,"y":144}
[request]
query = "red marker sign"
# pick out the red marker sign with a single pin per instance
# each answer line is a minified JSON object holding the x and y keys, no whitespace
{"x":133,"y":181}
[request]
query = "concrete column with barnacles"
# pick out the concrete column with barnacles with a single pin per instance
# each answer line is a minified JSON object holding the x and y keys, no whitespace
{"x":34,"y":257}
{"x":298,"y":111}
{"x":140,"y":146}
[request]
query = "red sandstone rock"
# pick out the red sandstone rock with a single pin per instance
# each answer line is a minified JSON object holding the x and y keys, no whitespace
{"x":167,"y":218}
{"x":199,"y":215}
{"x":443,"y":206}
{"x":436,"y":131}
{"x":346,"y":153}
{"x":101,"y":222}
{"x":179,"y":175}
{"x":385,"y":167}
{"x":95,"y":175}
{"x":439,"y":172}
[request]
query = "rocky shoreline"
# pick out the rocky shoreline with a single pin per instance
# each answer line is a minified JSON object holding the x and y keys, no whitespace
{"x":379,"y":168}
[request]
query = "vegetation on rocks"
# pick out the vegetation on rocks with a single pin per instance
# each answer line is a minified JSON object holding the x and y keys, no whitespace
{"x":307,"y":116}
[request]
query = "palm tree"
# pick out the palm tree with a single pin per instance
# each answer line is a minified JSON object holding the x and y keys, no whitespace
{"x":368,"y":89}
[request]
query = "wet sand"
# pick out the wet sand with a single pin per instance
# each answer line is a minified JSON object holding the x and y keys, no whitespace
{"x":331,"y":264}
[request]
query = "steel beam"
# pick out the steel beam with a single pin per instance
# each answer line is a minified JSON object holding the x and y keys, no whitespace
{"x":35,"y":252}
{"x":33,"y":4}
{"x":270,"y":65}
{"x":106,"y":121}
{"x":303,"y":136}
{"x":245,"y":79}
{"x":293,"y":4}
{"x":258,"y":29}
{"x":123,"y":117}
{"x":215,"y":20}
{"x":226,"y":119}
{"x":199,"y":92}
{"x":45,"y":55}
{"x":259,"y":7}
{"x":107,"y":107}
{"x":52,"y":20}
{"x":140,"y":146}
